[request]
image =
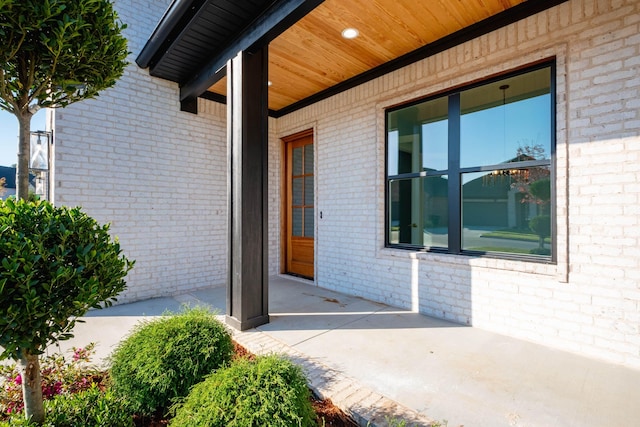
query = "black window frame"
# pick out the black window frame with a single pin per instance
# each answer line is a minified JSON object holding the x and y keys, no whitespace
{"x":454,"y":171}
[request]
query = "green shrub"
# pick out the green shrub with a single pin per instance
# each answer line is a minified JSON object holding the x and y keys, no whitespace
{"x":60,"y":375}
{"x":541,"y":225}
{"x":88,"y":408}
{"x":162,"y":359}
{"x":18,"y":420}
{"x":269,"y":391}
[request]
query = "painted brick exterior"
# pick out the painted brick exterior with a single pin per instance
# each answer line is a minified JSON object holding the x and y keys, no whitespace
{"x":590,"y":301}
{"x":159,"y":175}
{"x":132,"y":158}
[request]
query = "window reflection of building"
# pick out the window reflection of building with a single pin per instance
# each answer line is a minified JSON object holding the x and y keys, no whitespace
{"x":463,"y":164}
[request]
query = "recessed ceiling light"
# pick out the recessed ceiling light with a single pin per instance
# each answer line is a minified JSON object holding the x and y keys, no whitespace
{"x":350,"y":33}
{"x":269,"y":83}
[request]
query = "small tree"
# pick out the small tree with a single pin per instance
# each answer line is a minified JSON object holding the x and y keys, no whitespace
{"x":56,"y":264}
{"x":540,"y":192}
{"x":535,"y":186}
{"x":54,"y":53}
{"x":541,"y":225}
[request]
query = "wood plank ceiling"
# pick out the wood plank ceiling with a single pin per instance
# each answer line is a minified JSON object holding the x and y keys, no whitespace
{"x":312,"y":56}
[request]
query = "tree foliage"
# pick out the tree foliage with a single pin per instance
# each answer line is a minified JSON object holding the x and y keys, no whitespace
{"x":51,"y":48}
{"x":541,"y":191}
{"x":56,"y":264}
{"x":54,"y":53}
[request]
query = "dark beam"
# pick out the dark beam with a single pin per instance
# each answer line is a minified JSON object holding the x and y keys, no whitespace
{"x":247,"y":185}
{"x":173,"y":22}
{"x":273,"y":22}
{"x":189,"y":105}
{"x":215,"y":97}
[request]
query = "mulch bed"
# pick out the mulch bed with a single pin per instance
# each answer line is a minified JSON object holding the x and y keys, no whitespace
{"x":331,"y":415}
{"x":328,"y":413}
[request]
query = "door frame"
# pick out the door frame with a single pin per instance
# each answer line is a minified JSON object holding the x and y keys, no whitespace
{"x":284,"y":214}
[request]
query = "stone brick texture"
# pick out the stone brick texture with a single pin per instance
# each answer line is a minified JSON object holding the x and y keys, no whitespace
{"x":130,"y":157}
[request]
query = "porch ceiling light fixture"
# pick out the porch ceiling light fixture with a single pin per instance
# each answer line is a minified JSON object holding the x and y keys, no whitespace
{"x":350,"y":33}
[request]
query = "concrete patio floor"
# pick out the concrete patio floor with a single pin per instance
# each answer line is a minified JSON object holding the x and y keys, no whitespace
{"x":382,"y":363}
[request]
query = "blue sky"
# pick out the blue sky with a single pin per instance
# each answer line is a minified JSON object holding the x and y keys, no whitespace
{"x":9,"y":135}
{"x":489,"y":136}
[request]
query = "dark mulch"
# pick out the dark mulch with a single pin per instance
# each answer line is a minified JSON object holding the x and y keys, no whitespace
{"x":239,"y":352}
{"x":331,"y":415}
{"x":154,"y":421}
{"x":328,"y":413}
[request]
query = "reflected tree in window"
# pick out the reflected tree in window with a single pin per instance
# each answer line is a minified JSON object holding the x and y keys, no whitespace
{"x":470,"y":171}
{"x":535,"y":187}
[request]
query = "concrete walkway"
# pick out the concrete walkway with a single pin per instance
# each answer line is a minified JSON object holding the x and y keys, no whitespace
{"x":382,"y":363}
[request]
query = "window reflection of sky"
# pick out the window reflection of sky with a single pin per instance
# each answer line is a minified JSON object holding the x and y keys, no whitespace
{"x":434,"y":145}
{"x":493,"y":136}
{"x":488,"y":137}
{"x":392,"y":152}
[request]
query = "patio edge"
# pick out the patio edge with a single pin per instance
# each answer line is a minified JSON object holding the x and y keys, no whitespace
{"x":367,"y":407}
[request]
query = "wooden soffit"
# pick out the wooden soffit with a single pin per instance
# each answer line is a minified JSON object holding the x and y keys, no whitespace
{"x":310,"y":59}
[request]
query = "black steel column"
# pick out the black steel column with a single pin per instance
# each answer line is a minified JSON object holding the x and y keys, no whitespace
{"x":247,"y":133}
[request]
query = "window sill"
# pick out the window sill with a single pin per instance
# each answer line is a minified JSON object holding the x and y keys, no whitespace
{"x":538,"y":267}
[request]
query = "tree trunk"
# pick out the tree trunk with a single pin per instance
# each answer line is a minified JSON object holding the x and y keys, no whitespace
{"x":24,"y":152}
{"x":32,"y":387}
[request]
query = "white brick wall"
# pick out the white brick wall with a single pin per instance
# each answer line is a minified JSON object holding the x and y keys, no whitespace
{"x":590,"y":301}
{"x":132,"y":158}
{"x":275,"y":201}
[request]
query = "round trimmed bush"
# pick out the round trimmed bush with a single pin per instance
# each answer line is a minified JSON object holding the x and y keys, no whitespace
{"x":270,"y":391}
{"x":163,"y":358}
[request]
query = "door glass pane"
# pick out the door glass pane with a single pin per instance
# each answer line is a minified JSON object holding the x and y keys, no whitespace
{"x":296,"y":222}
{"x":419,"y":211}
{"x":308,"y":159}
{"x":308,"y":190}
{"x":507,"y":211}
{"x":308,"y":222}
{"x":297,"y":191}
{"x":506,"y":121}
{"x":297,"y":161}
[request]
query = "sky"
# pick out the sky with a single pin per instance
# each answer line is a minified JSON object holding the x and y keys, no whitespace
{"x":9,"y":135}
{"x":488,"y":137}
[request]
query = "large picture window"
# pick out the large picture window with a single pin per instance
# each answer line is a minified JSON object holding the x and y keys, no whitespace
{"x":471,"y":171}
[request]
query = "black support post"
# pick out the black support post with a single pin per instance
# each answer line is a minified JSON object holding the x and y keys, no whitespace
{"x":189,"y":105}
{"x":247,"y":133}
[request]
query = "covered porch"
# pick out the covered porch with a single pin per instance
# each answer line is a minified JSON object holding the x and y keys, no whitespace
{"x":378,"y":362}
{"x":270,"y":59}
